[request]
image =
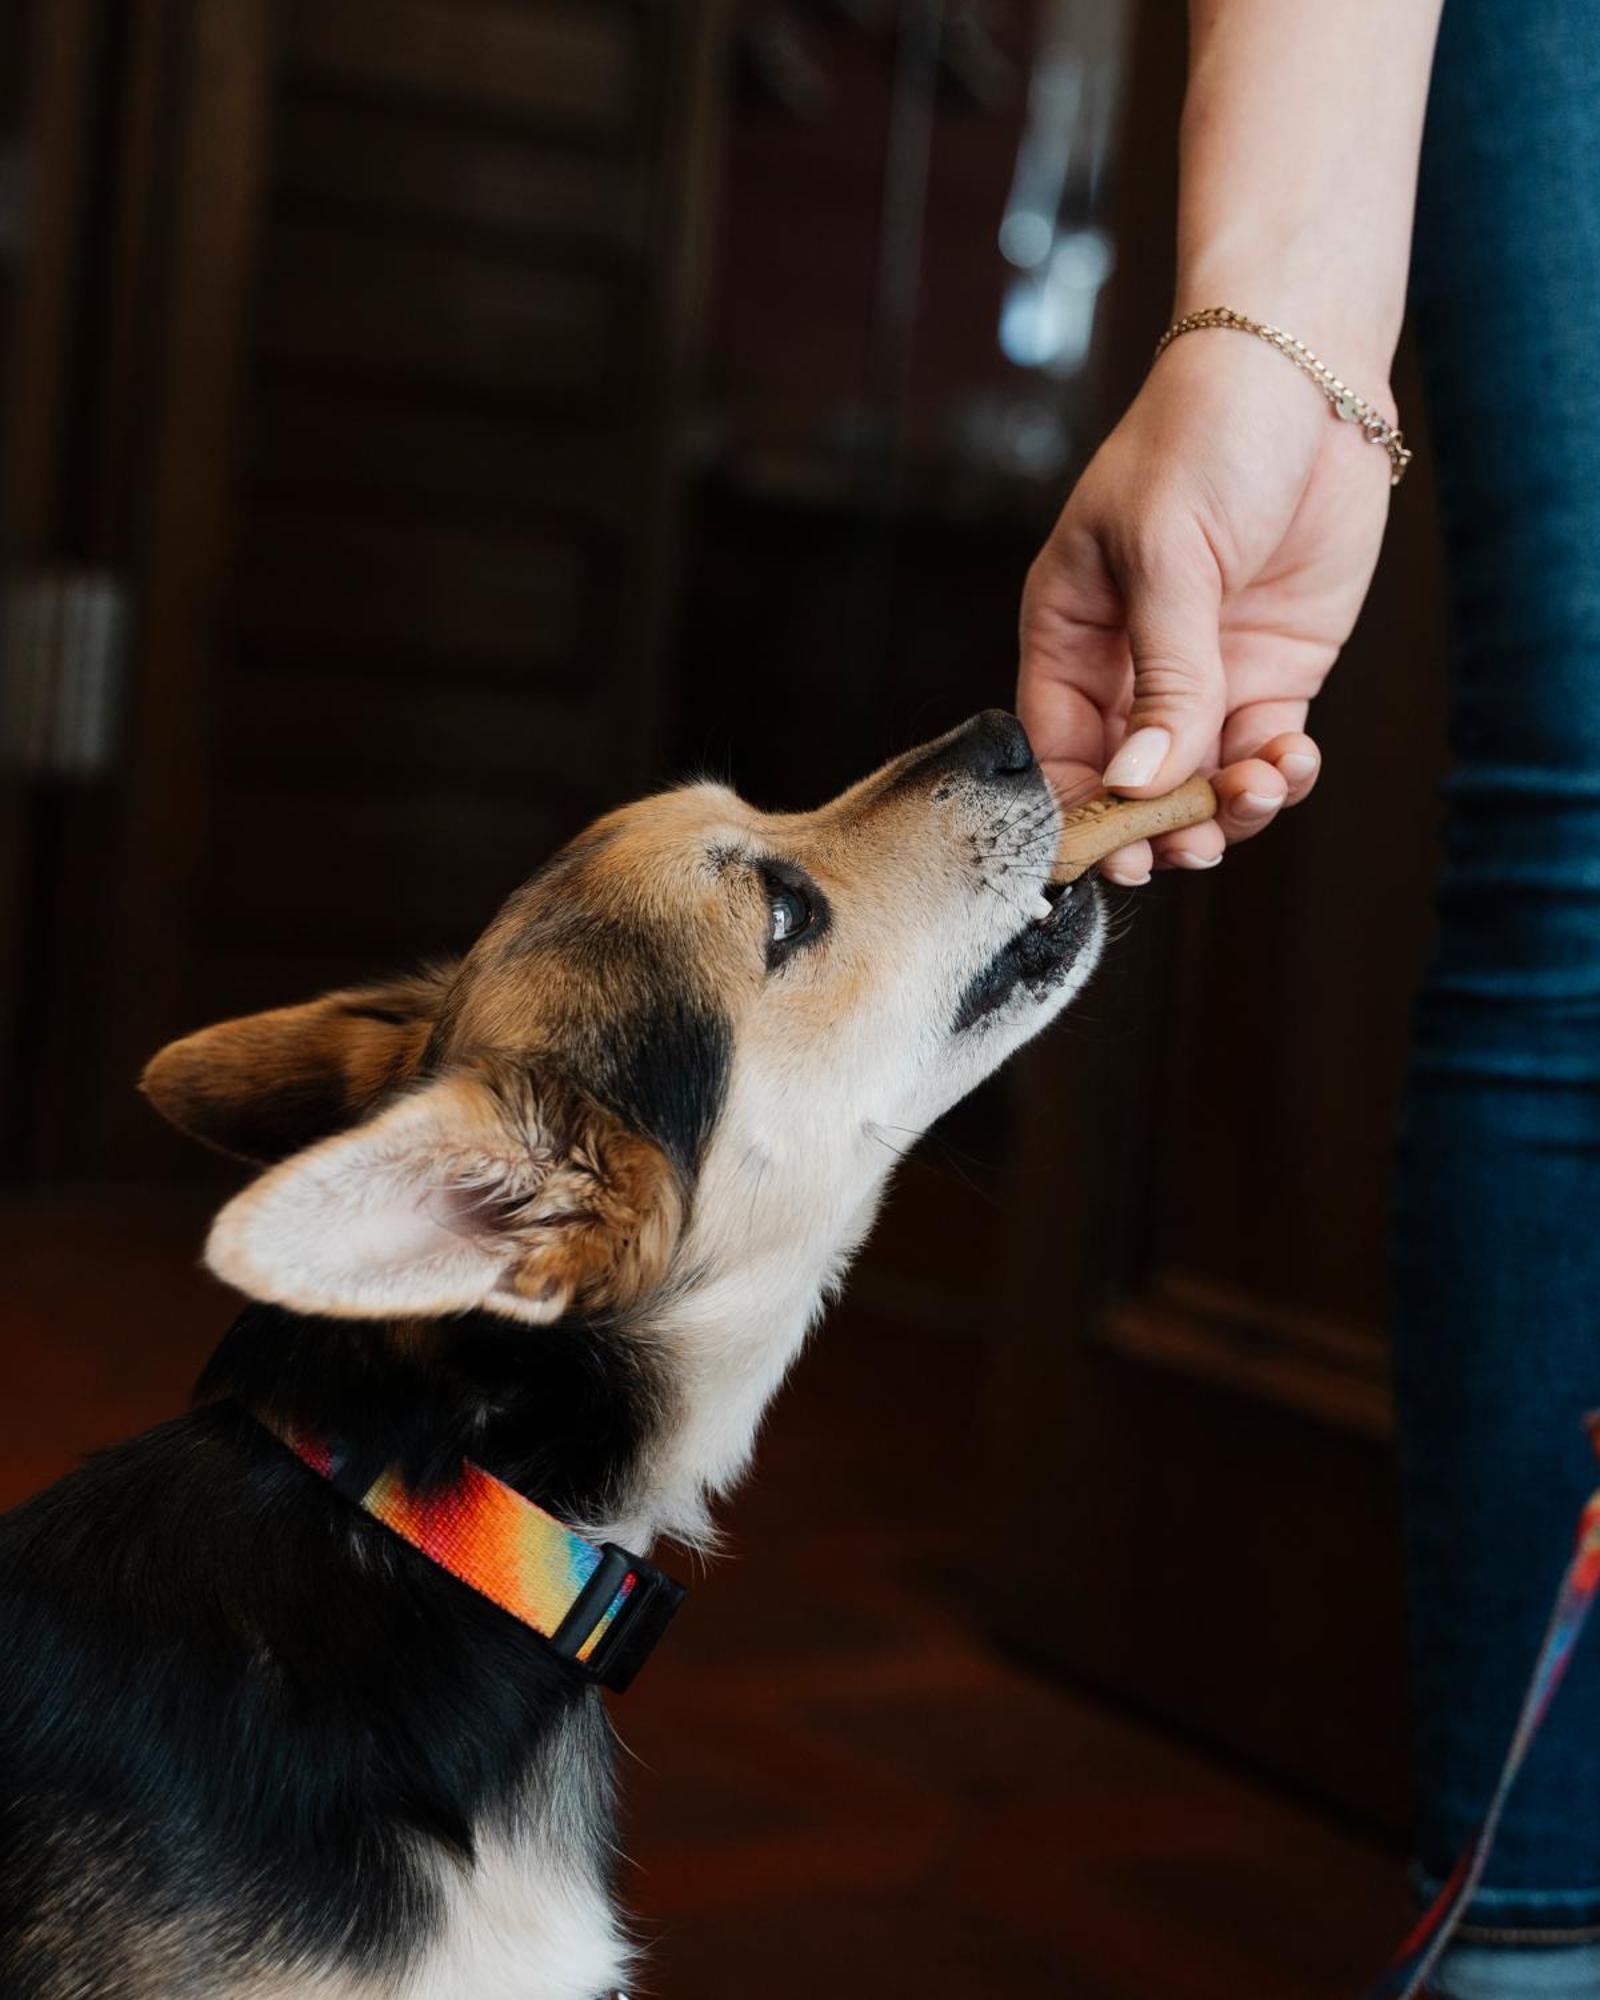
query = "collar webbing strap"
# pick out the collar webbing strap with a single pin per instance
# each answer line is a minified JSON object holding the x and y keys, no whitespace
{"x":596,"y":1605}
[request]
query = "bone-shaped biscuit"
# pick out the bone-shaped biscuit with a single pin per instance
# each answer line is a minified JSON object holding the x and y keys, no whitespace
{"x":1101,"y":824}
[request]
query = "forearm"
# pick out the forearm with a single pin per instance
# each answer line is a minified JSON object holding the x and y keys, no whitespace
{"x":1301,"y":131}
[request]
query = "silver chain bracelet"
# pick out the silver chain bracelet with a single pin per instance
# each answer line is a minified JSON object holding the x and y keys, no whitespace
{"x":1344,"y":402}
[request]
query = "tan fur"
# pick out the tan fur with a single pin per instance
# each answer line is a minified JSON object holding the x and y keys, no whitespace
{"x":596,"y":1230}
{"x":262,"y":1087}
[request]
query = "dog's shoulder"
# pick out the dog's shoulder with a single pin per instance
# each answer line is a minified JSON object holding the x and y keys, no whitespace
{"x":228,"y":1696}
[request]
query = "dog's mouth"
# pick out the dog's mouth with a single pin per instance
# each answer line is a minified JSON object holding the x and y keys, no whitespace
{"x":1038,"y":957}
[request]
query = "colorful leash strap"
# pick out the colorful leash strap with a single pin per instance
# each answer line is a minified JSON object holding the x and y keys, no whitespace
{"x":596,"y":1605}
{"x":1418,"y":1958}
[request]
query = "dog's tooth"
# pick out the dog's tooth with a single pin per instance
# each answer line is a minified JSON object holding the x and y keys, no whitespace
{"x":1042,"y":905}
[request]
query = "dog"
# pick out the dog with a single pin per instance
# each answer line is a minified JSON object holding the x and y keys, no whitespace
{"x":563,"y":1213}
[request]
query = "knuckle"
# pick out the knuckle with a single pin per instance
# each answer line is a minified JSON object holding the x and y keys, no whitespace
{"x":1171,"y":680}
{"x":1037,"y":586}
{"x":1146,"y":550}
{"x":1163,"y":540}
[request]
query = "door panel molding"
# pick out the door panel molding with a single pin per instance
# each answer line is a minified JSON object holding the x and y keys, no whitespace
{"x":1275,"y":1351}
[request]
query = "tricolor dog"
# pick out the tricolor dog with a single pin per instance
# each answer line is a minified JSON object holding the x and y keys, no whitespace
{"x":299,"y":1692}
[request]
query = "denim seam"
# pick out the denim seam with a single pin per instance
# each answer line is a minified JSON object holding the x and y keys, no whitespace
{"x":1521,"y":1938}
{"x":1543,"y":1899}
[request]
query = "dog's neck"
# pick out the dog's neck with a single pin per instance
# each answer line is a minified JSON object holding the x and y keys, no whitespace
{"x":731,"y":1341}
{"x":560,"y":1412}
{"x":625,"y":1432}
{"x":626,"y":1429}
{"x":752,"y":1283}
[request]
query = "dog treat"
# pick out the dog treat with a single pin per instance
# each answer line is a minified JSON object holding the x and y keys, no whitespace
{"x":1105,"y":822}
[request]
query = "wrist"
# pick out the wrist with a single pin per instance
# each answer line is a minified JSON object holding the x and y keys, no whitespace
{"x":1297,"y":173}
{"x":1354,"y":330}
{"x":1375,"y":425}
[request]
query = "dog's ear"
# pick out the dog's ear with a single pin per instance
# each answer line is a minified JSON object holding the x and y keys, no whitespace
{"x":265,"y":1086}
{"x":488,"y":1185}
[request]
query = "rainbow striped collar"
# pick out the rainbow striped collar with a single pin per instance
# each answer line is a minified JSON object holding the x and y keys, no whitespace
{"x":594,"y":1604}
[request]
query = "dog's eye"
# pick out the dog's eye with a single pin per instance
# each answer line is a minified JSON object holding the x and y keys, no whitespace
{"x":797,"y":910}
{"x":789,"y":913}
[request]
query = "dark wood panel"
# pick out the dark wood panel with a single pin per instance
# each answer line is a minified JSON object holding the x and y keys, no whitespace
{"x":220,"y":107}
{"x":363,"y":873}
{"x":337,"y":297}
{"x":1283,"y":1356}
{"x":53,"y":155}
{"x":388,"y":162}
{"x":310,"y":442}
{"x":43,"y":114}
{"x":1228,"y":1565}
{"x":575,"y":65}
{"x":400,"y":298}
{"x":383,"y":730}
{"x":413,"y":590}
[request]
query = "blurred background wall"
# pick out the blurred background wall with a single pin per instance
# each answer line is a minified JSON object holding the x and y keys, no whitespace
{"x":426,"y":422}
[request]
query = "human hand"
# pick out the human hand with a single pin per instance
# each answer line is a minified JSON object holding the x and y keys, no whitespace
{"x":1194,"y":593}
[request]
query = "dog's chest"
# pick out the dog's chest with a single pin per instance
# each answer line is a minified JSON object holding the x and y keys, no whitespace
{"x":531,"y":1916}
{"x":519,"y":1925}
{"x":524,"y":1923}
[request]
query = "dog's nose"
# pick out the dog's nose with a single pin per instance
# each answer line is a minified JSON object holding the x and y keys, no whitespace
{"x":992,"y":745}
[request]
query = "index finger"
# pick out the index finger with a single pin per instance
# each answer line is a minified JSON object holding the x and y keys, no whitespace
{"x":1076,"y":670}
{"x":1068,"y":734}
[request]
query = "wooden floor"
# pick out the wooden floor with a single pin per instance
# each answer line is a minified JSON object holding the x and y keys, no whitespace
{"x":835,"y":1787}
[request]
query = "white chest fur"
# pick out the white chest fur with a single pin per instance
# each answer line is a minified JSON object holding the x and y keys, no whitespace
{"x":524,"y":1923}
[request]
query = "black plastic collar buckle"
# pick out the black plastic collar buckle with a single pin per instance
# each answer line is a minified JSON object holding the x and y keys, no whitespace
{"x":631,"y":1636}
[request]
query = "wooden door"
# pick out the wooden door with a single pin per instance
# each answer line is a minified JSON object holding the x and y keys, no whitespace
{"x":96,"y":119}
{"x":1193,"y":1415}
{"x":391,"y":457}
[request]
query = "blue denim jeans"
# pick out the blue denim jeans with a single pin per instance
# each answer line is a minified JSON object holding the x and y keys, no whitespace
{"x":1498,"y":1238}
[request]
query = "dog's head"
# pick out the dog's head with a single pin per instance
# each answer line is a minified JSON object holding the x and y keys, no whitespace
{"x":689,"y":1048}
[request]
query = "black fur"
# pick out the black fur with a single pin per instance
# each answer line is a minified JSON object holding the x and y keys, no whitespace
{"x":668,"y":1078}
{"x":1039,"y":957}
{"x":652,"y":1048}
{"x":236,"y":1710}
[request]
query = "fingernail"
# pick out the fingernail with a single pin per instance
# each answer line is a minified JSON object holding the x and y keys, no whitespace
{"x":1260,"y":802}
{"x":1185,"y":859}
{"x":1297,"y":764}
{"x":1140,"y":757}
{"x":1129,"y":881}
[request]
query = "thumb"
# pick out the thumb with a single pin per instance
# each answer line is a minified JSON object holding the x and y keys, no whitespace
{"x":1179,"y":690}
